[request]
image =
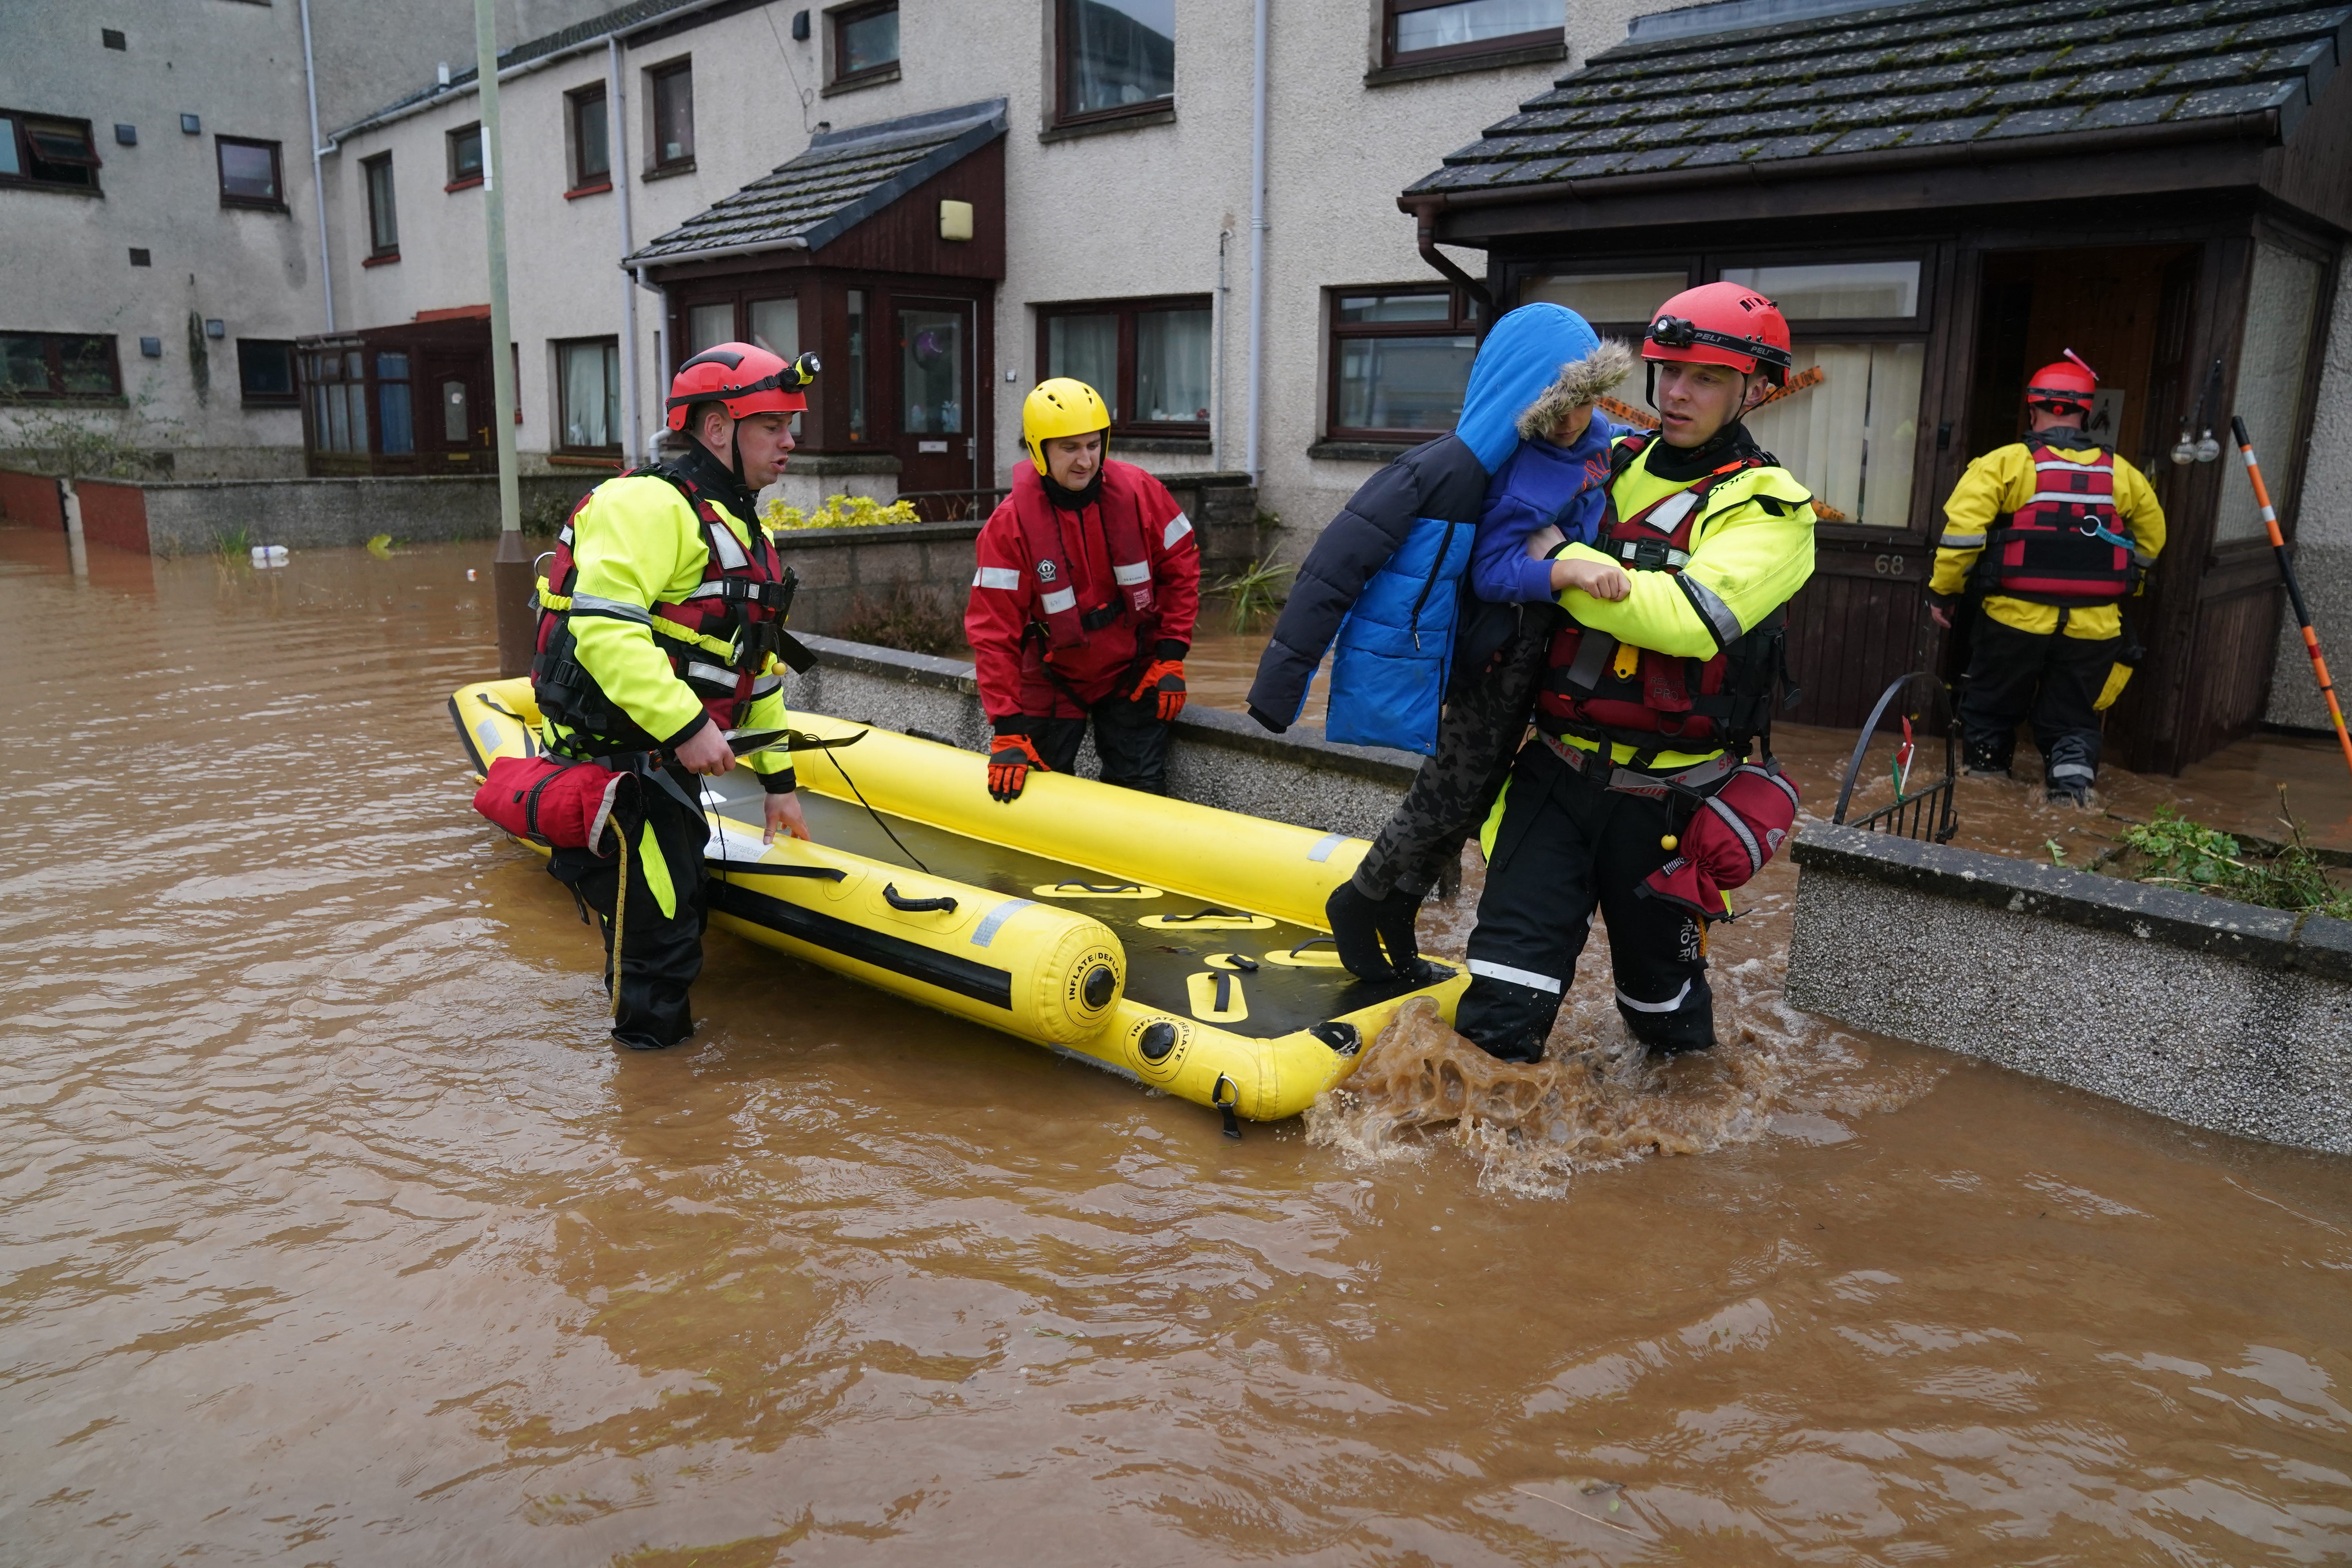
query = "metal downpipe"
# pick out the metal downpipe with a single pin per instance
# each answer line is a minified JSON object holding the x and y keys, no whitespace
{"x":616,"y":136}
{"x":318,"y":178}
{"x":1257,"y":244}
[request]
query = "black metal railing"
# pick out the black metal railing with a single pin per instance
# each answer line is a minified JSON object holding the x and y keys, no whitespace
{"x":1927,"y":812}
{"x":956,"y":506}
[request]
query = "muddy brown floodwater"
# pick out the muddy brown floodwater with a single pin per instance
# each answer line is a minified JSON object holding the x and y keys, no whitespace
{"x":335,"y":1232}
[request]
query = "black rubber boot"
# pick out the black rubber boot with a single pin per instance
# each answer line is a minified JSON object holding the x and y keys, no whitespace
{"x":1985,"y":758}
{"x":1362,"y":926}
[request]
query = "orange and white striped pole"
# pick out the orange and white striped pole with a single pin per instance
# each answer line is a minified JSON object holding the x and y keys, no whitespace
{"x":2294,"y":589}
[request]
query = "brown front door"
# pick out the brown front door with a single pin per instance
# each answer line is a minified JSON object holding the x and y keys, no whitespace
{"x":936,"y":431}
{"x":453,"y":424}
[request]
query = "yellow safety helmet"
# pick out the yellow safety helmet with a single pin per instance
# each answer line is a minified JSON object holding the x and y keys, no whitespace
{"x":1061,"y":407}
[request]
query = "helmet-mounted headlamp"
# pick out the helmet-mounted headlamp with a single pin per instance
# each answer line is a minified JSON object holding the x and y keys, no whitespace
{"x":802,"y":371}
{"x":1682,"y":332}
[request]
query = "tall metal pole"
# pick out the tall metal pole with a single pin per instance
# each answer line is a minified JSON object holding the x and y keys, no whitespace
{"x":509,"y":568}
{"x":1257,"y":248}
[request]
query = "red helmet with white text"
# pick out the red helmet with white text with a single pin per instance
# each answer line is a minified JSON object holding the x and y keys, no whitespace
{"x":1722,"y":323}
{"x":2064,"y":386}
{"x":748,"y":379}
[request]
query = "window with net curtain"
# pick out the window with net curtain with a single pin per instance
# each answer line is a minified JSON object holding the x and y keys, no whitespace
{"x":1851,"y":432}
{"x":1400,"y":361}
{"x":588,"y":377}
{"x":1150,"y":361}
{"x":1117,"y":55}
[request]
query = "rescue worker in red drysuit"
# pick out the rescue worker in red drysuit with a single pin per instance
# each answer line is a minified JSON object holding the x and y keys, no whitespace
{"x":661,"y":624}
{"x":2056,"y":532}
{"x":1083,"y":607}
{"x":1649,"y":702}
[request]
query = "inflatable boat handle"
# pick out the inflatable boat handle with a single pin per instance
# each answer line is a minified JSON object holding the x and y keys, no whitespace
{"x":1313,"y":942}
{"x":915,"y":906}
{"x":1119,"y":888}
{"x":1211,"y":913}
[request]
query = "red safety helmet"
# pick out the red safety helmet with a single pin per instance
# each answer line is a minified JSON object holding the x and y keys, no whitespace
{"x":2064,"y":386}
{"x":747,"y":378}
{"x":1722,"y":323}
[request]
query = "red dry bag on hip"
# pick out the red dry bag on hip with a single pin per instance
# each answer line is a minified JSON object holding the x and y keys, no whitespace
{"x":551,"y":800}
{"x":1731,"y":835}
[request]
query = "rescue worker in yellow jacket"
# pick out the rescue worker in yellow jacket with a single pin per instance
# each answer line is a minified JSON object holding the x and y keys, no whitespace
{"x":661,"y":632}
{"x":1657,"y":684}
{"x":2058,"y":531}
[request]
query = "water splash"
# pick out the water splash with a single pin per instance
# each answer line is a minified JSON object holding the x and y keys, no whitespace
{"x":1531,"y":1128}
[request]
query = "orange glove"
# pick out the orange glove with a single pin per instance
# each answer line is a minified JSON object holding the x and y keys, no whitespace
{"x":1164,"y":677}
{"x":1009,"y":765}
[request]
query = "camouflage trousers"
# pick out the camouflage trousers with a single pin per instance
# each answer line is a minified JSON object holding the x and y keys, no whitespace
{"x":1476,"y":740}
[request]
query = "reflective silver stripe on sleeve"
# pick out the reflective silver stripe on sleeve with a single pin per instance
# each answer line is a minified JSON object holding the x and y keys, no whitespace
{"x":1740,"y":829}
{"x":1720,"y":621}
{"x":1178,"y":527}
{"x":766,"y":684}
{"x":1060,"y":599}
{"x":1668,"y":1005}
{"x":1961,"y":542}
{"x":2142,"y":557}
{"x":730,"y":549}
{"x":1006,"y":577}
{"x":1510,"y":976}
{"x":714,"y":589}
{"x":619,"y":609}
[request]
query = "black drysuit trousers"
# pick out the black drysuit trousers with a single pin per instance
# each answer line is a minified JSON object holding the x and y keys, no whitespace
{"x":1564,"y":847}
{"x":1130,"y":741}
{"x":2050,"y":677}
{"x":661,"y":950}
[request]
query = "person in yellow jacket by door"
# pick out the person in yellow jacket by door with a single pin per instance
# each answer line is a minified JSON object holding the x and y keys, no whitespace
{"x":661,"y":623}
{"x":1655,"y":686}
{"x":2057,"y":530}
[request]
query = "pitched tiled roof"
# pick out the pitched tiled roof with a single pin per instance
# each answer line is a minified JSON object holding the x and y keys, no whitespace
{"x":1918,"y":75}
{"x":844,"y":178}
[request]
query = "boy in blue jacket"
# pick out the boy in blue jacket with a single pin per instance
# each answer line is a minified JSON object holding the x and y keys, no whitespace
{"x":1547,"y":488}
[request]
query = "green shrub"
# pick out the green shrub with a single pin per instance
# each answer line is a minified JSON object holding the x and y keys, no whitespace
{"x":2173,"y":851}
{"x":838,"y":511}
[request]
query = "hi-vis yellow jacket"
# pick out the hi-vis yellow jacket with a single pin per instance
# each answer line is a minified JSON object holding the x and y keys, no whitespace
{"x":638,"y":542}
{"x":1999,"y":483}
{"x":1751,"y":550}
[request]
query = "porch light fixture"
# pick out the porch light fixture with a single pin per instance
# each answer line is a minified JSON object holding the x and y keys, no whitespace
{"x":216,"y":328}
{"x":955,"y":220}
{"x":191,"y":126}
{"x":126,"y":135}
{"x":151,"y":348}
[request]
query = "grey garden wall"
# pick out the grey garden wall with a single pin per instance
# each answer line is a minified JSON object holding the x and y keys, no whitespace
{"x":189,"y":519}
{"x":2213,"y":1013}
{"x":1219,"y":759}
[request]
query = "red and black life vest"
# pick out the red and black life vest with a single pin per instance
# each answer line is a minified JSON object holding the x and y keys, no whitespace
{"x":1599,"y":690}
{"x":719,"y":638}
{"x":2066,"y":546}
{"x":1119,"y":509}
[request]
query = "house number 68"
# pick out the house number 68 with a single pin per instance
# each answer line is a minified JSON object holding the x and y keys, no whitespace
{"x":1889,"y":565}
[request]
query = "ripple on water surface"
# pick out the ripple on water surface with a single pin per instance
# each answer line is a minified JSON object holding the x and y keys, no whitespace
{"x":334,"y":1233}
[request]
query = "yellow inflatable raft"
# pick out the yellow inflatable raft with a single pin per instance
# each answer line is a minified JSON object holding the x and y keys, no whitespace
{"x":1176,"y":945}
